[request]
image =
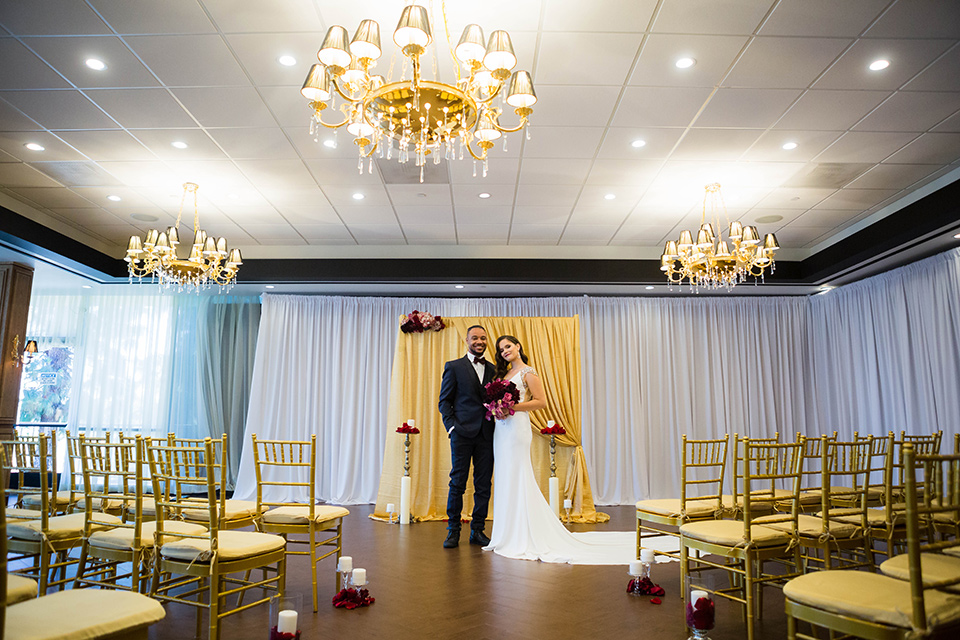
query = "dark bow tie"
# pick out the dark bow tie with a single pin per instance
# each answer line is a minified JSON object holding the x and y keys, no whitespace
{"x":477,"y":360}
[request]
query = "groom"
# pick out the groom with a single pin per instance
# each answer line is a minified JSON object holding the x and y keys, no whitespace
{"x":471,"y":435}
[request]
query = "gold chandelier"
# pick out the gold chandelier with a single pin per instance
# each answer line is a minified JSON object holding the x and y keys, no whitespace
{"x":208,"y":263}
{"x":712,"y":261}
{"x":413,"y":115}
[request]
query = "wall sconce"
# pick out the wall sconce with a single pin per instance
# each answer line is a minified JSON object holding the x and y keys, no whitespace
{"x":29,"y":351}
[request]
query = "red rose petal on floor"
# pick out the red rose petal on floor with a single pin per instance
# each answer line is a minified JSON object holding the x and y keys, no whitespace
{"x":655,"y":600}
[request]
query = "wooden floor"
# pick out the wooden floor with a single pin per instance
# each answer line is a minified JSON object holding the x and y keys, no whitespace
{"x":425,"y":591}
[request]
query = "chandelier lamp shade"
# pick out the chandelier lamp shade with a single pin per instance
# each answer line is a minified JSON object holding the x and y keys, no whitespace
{"x":414,"y":116}
{"x":209,"y":263}
{"x":712,"y":261}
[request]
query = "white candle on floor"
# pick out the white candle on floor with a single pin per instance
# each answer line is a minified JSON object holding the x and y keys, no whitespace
{"x":359,"y":577}
{"x":391,"y":508}
{"x":636,"y":567}
{"x":405,"y":500}
{"x":345,"y":564}
{"x":648,"y":556}
{"x":287,"y":622}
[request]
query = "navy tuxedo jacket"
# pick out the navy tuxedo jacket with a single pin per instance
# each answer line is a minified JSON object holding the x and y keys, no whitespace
{"x":461,"y":398}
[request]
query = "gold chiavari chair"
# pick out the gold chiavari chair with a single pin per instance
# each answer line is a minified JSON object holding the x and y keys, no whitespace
{"x":742,"y":549}
{"x":702,"y":467}
{"x":923,"y":444}
{"x":203,"y":570}
{"x":289,"y":467}
{"x":58,"y":502}
{"x":733,"y":504}
{"x":881,"y":607}
{"x":111,"y":503}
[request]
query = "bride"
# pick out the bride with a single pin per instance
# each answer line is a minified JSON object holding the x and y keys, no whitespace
{"x":524,"y":526}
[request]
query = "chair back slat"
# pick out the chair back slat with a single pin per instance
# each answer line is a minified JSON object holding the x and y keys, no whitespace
{"x":286,"y":463}
{"x":703,"y":463}
{"x":766,"y":468}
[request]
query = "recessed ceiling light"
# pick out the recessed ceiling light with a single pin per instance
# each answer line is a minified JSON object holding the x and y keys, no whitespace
{"x":330,"y":144}
{"x":649,"y":287}
{"x":458,"y":286}
{"x":269,"y":286}
{"x":421,"y":195}
{"x":789,"y":146}
{"x":234,"y":196}
{"x":957,"y":236}
{"x":484,"y":195}
{"x":769,"y":219}
{"x":86,"y":286}
{"x":179,"y":144}
{"x":96,"y":65}
{"x":358,"y":196}
{"x":287,"y":61}
{"x":114,"y":198}
{"x":610,"y":196}
{"x":636,"y":144}
{"x":685,"y":63}
{"x":879,"y":65}
{"x":33,"y":146}
{"x":144,"y":217}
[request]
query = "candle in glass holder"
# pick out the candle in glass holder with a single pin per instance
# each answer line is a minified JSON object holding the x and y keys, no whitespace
{"x":568,"y":504}
{"x":359,"y":577}
{"x":648,"y":556}
{"x":411,"y":423}
{"x":550,"y":424}
{"x":391,"y":508}
{"x":636,"y":567}
{"x":345,"y":564}
{"x":287,"y":622}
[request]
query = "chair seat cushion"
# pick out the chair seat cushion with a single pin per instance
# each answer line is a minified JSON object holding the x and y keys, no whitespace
{"x":81,"y":614}
{"x":875,"y":517}
{"x":122,"y":537}
{"x":231,"y":545}
{"x":148,"y":507}
{"x":60,"y":499}
{"x":811,"y":526}
{"x":730,"y":533}
{"x":869,"y":596}
{"x":300,"y":515}
{"x":763,"y":505}
{"x":670,"y":507}
{"x":235,"y":510}
{"x":20,"y":588}
{"x":101,"y":504}
{"x":59,"y":527}
{"x":934,"y":567}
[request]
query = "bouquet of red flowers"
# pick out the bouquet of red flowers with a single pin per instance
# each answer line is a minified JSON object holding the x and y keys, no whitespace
{"x":499,"y":397}
{"x":420,"y":321}
{"x":555,"y":430}
{"x":406,"y":428}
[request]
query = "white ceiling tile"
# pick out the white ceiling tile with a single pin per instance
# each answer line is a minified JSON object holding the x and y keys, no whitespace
{"x":855,"y":199}
{"x":295,"y":197}
{"x":594,"y":196}
{"x":15,"y":174}
{"x":562,"y":142}
{"x":341,"y":196}
{"x":594,"y":106}
{"x":588,"y":235}
{"x":107,"y":145}
{"x":342,"y":172}
{"x":942,"y":75}
{"x":748,"y":108}
{"x":424,"y":215}
{"x":857,"y":146}
{"x":592,"y":215}
{"x":85,"y":216}
{"x":117,"y":234}
{"x":469,"y":194}
{"x":142,"y":108}
{"x":131,"y":200}
{"x":243,"y":144}
{"x":764,"y":220}
{"x":547,"y":195}
{"x":377,"y":215}
{"x":333,"y":241}
{"x":430,"y":233}
{"x":420,"y":195}
{"x":226,"y":107}
{"x":213,"y":176}
{"x":69,"y":56}
{"x":6,"y":157}
{"x":658,"y":143}
{"x":59,"y":109}
{"x":659,"y":106}
{"x":50,"y":17}
{"x":490,"y":14}
{"x":824,"y":18}
{"x":311,"y":147}
{"x":12,"y":120}
{"x":54,"y":148}
{"x":892,"y":176}
{"x":794,"y":198}
{"x":321,"y":213}
{"x":377,"y":233}
{"x":535,"y":234}
{"x":830,"y":110}
{"x":918,"y":19}
{"x":500,"y":170}
{"x":54,"y":197}
{"x":907,"y":58}
{"x":250,"y":216}
{"x":657,"y":64}
{"x":819,"y":218}
{"x":276,"y":172}
{"x":480,"y":215}
{"x":911,"y":111}
{"x":541,"y":215}
{"x":785,"y":62}
{"x":930,"y":148}
{"x":22,"y":69}
{"x":769,"y":147}
{"x":170,"y":16}
{"x":269,"y":231}
{"x":160,"y":142}
{"x":71,"y":174}
{"x":586,"y":58}
{"x":482,"y":233}
{"x":265,"y":15}
{"x":707,"y":16}
{"x":258,"y":54}
{"x":796,"y":237}
{"x":234,"y":235}
{"x":641,"y":235}
{"x":140,"y":174}
{"x":313,"y":232}
{"x":554,"y":171}
{"x":175,"y":60}
{"x":715,"y":144}
{"x":599,"y":15}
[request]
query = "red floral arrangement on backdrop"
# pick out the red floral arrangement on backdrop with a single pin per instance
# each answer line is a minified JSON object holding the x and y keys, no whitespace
{"x":555,"y":430}
{"x":700,"y":614}
{"x":405,"y":428}
{"x":353,"y":598}
{"x":499,"y":396}
{"x":420,"y":321}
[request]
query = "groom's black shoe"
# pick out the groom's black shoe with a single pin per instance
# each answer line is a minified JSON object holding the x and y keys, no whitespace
{"x":478,"y":537}
{"x":453,"y":539}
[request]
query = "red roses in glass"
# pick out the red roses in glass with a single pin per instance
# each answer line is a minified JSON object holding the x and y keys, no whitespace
{"x":700,"y":614}
{"x":499,"y":397}
{"x":352,"y":598}
{"x":420,"y":321}
{"x":555,"y":430}
{"x":406,"y":428}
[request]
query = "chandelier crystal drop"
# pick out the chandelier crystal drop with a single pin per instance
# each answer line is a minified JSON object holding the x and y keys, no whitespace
{"x":413,"y":118}
{"x":209,"y":263}
{"x":712,"y":261}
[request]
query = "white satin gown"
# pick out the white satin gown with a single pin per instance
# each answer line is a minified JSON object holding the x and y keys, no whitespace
{"x":524,"y":527}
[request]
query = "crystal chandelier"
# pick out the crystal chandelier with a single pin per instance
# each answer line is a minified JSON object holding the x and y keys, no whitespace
{"x":208,"y":262}
{"x":712,"y":261}
{"x":413,"y":116}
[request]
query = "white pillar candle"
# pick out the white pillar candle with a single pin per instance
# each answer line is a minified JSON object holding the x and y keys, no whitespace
{"x":648,"y":556}
{"x":411,"y":422}
{"x":287,"y":622}
{"x":345,"y":564}
{"x":550,"y":424}
{"x":405,"y":500}
{"x":636,"y":567}
{"x":359,"y":577}
{"x":568,"y":504}
{"x":555,"y":496}
{"x":391,"y":507}
{"x":696,"y":594}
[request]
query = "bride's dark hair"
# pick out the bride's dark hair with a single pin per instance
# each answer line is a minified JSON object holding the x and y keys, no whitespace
{"x":503,"y":365}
